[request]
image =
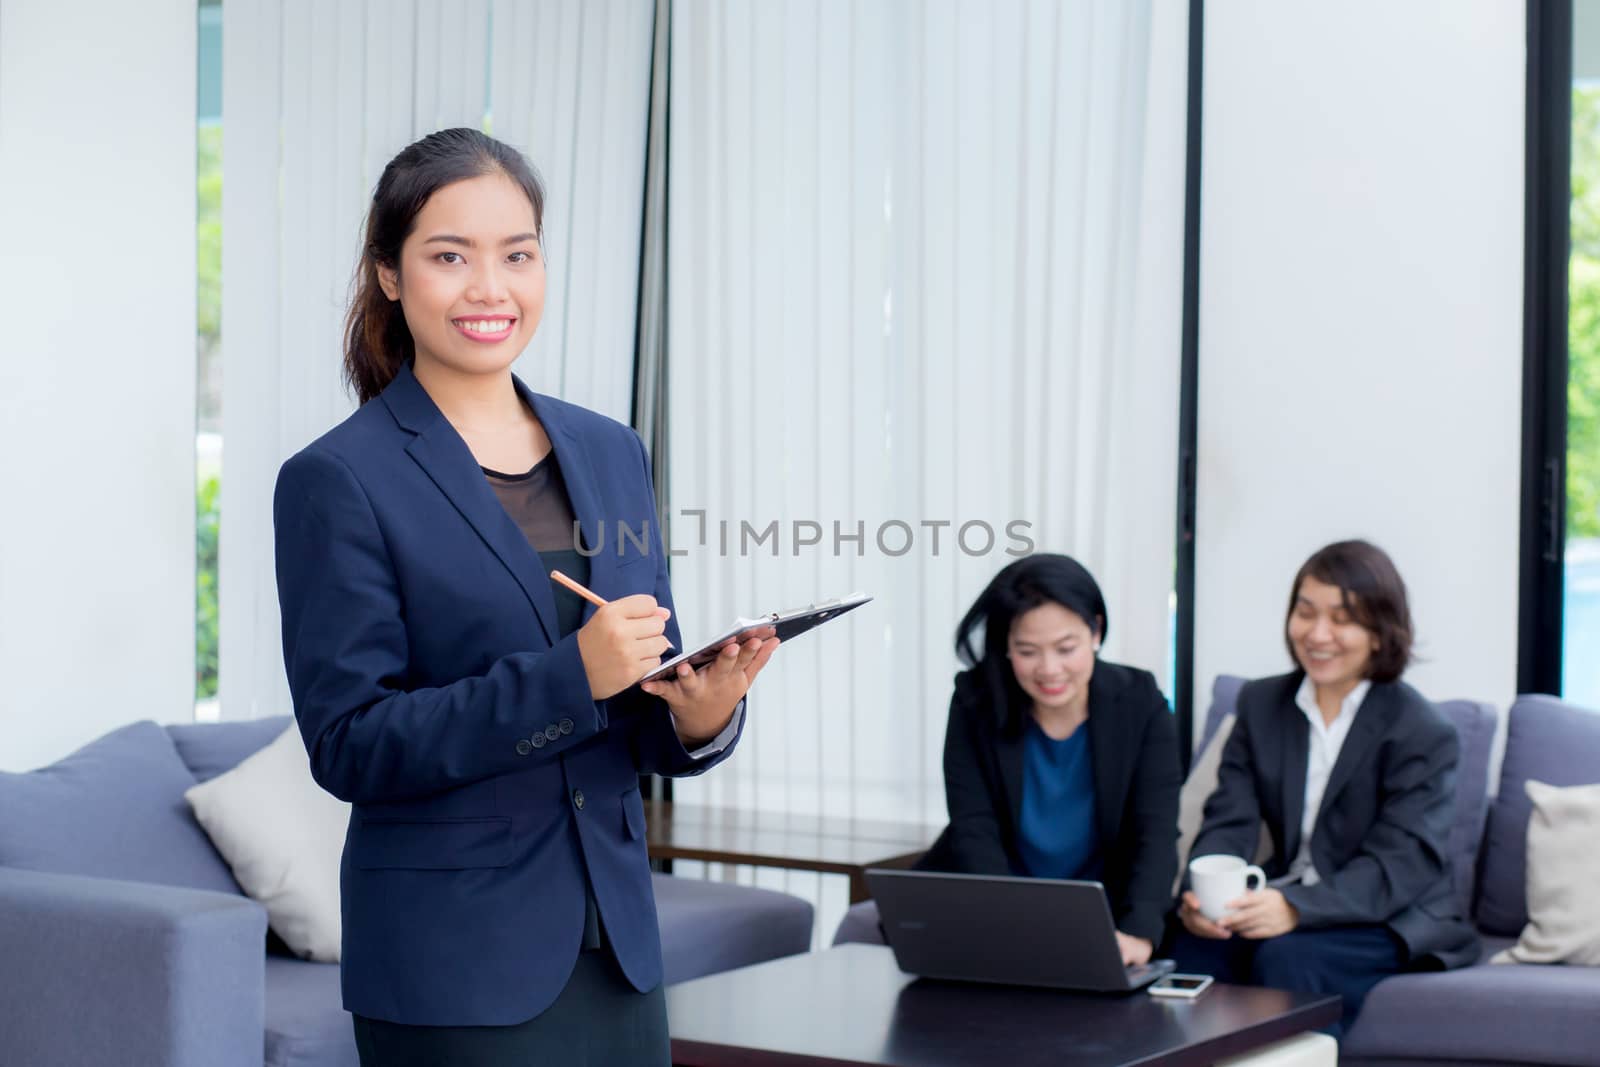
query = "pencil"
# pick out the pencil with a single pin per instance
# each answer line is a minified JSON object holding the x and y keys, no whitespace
{"x":597,"y":601}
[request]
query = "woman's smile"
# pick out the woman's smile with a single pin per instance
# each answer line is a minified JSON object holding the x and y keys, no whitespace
{"x":485,"y":330}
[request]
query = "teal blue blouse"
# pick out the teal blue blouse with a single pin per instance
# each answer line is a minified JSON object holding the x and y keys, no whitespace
{"x":1057,"y":835}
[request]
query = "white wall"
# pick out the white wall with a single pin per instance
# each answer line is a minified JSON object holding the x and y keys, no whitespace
{"x":1360,"y":321}
{"x":97,"y":555}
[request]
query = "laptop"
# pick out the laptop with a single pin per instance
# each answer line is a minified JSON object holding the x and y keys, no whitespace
{"x":1016,"y":931}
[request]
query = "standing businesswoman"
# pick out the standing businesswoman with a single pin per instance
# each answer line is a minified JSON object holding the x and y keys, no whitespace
{"x":1056,"y":764}
{"x":1353,"y":773}
{"x":484,"y":724}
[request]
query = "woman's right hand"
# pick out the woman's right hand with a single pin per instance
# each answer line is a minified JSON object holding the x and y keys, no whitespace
{"x":622,"y":642}
{"x":1196,"y":923}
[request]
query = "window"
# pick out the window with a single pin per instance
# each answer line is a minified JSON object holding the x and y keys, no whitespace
{"x":1559,"y":631}
{"x":208,"y":352}
{"x":1580,"y":661}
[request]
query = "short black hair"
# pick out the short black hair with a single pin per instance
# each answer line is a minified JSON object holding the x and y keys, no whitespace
{"x":1373,"y":593}
{"x":1030,"y":582}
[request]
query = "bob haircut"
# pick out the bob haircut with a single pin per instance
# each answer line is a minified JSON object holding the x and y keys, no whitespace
{"x":377,"y":342}
{"x":1030,"y":582}
{"x":1374,"y":595}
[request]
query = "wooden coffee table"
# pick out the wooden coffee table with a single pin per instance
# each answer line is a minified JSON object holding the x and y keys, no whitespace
{"x":851,"y":1005}
{"x":795,"y":842}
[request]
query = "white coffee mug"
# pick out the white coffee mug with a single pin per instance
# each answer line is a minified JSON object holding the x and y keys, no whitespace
{"x":1220,"y":880}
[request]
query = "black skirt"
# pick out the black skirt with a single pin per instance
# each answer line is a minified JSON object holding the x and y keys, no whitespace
{"x":599,"y":1020}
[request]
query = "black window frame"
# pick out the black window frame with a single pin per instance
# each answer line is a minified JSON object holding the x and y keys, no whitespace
{"x":1547,"y":239}
{"x":1188,"y":395}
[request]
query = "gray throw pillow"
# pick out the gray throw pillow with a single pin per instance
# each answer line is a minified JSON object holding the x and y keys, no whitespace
{"x":112,"y":809}
{"x":1547,"y":740}
{"x":210,"y":748}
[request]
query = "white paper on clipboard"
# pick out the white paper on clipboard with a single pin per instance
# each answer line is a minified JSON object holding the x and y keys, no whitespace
{"x":783,"y":625}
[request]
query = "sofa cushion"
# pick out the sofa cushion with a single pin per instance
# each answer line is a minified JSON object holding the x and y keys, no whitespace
{"x":1224,"y":704}
{"x":209,"y":748}
{"x":283,"y":836}
{"x":1197,"y":789}
{"x":1475,"y":726}
{"x":1563,"y":872}
{"x":112,"y":809}
{"x":860,"y":925}
{"x":1550,"y":741}
{"x":707,"y":927}
{"x":1532,"y":1013}
{"x":305,"y":1025}
{"x":1202,"y":780}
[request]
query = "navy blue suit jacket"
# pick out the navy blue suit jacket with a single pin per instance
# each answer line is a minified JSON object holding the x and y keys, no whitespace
{"x":434,"y":693}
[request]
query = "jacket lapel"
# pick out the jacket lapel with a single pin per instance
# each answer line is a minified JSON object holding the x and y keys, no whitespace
{"x":1107,"y":755}
{"x":1008,"y":751}
{"x":1292,"y":772}
{"x":1364,"y":733}
{"x":439,"y":450}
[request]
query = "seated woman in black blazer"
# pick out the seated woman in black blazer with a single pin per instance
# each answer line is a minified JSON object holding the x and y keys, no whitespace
{"x":1057,"y":765}
{"x":1353,"y":773}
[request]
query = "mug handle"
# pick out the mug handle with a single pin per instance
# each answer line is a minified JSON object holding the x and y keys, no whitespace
{"x":1258,"y":874}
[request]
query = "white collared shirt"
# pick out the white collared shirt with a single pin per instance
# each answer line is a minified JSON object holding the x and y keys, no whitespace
{"x":1322,"y":753}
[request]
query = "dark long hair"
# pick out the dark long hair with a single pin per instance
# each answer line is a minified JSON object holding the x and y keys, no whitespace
{"x":377,"y":342}
{"x":1045,"y":578}
{"x":1372,"y":592}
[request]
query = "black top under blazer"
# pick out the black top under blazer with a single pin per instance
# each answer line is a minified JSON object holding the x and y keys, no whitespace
{"x":1133,"y":748}
{"x":1380,"y":839}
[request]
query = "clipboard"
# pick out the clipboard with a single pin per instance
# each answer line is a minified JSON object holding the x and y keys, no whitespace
{"x":784,"y":625}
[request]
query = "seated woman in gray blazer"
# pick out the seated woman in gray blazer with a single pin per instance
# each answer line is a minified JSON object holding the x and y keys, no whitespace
{"x":1056,"y":764}
{"x":1353,"y":773}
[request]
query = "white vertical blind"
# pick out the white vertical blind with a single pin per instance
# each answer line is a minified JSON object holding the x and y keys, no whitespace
{"x":926,"y":266}
{"x":572,"y":88}
{"x":318,"y":95}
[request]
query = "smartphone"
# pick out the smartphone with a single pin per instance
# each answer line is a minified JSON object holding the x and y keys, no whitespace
{"x":1184,"y":986}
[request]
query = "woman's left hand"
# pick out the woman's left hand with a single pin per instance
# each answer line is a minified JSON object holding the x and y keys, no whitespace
{"x":703,"y":701}
{"x":1261,"y":914}
{"x":1135,"y":950}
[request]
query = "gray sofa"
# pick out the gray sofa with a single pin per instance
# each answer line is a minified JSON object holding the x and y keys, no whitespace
{"x":125,"y":939}
{"x":1489,"y":1014}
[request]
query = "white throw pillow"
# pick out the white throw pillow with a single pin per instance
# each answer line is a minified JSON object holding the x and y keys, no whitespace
{"x":283,"y":837}
{"x":1563,"y":878}
{"x":1197,"y":788}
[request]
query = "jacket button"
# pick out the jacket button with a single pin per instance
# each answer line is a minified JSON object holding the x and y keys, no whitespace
{"x":538,"y":741}
{"x":566,"y":726}
{"x":577,"y":799}
{"x":552,"y":732}
{"x":523,"y":748}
